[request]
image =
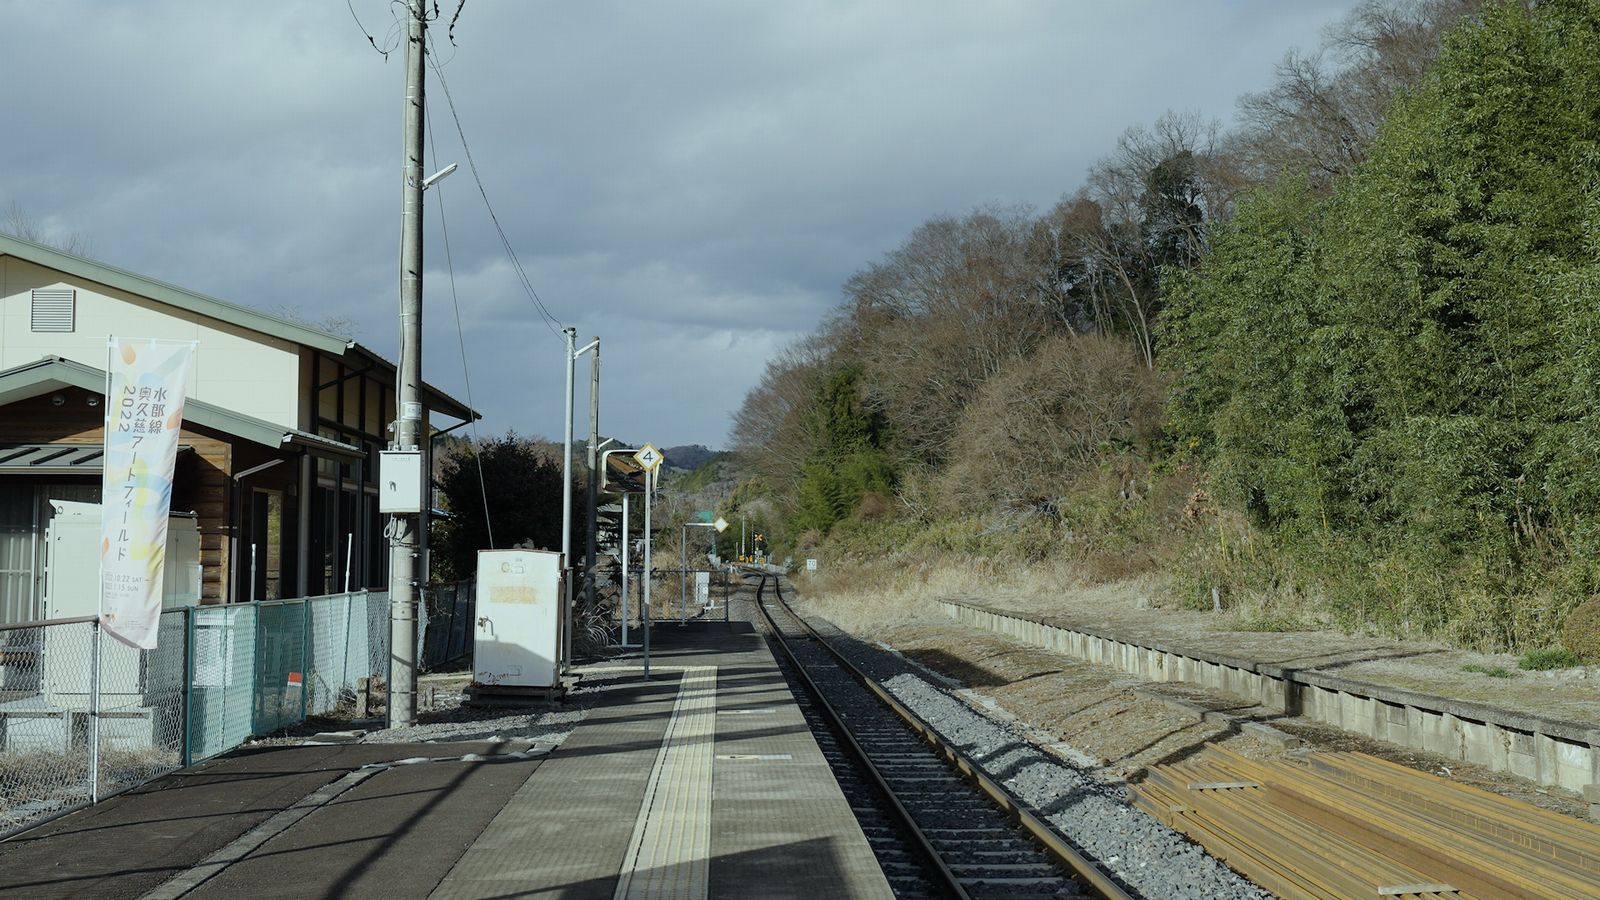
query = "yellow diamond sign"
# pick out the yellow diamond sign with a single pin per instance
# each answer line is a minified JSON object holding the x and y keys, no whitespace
{"x":649,"y":457}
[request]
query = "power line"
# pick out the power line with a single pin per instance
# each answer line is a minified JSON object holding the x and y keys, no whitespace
{"x":461,"y":339}
{"x":388,"y":47}
{"x":551,"y":322}
{"x":451,"y":32}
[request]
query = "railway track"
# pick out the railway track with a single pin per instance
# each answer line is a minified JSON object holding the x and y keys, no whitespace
{"x":939,"y":825}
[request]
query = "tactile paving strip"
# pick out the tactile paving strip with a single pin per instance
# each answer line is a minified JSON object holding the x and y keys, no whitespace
{"x":670,"y":852}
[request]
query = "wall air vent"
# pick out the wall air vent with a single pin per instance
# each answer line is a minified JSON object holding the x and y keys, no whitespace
{"x":53,"y":309}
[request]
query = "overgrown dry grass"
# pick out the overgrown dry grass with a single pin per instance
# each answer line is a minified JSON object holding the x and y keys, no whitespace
{"x":865,"y":598}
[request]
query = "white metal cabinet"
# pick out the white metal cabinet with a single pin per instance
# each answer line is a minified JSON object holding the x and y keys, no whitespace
{"x":518,"y":618}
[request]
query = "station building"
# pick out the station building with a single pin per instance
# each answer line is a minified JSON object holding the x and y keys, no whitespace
{"x":278,"y":457}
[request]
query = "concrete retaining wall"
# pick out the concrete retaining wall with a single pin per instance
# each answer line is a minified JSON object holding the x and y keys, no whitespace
{"x":1548,"y":751}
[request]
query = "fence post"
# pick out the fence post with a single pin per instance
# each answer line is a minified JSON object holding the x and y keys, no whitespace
{"x":94,"y":712}
{"x":257,"y":674}
{"x":305,"y":657}
{"x":188,"y":683}
{"x":344,"y":668}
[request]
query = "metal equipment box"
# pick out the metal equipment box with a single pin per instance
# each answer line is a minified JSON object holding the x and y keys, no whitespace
{"x":518,"y":634}
{"x":400,"y":482}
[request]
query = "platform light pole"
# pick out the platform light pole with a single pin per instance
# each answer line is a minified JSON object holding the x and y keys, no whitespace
{"x":605,"y":460}
{"x":566,"y":497}
{"x":683,"y":573}
{"x":593,"y":500}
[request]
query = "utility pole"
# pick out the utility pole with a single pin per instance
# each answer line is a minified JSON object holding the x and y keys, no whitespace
{"x":566,"y":495}
{"x":404,"y":546}
{"x":566,"y":507}
{"x":594,"y":477}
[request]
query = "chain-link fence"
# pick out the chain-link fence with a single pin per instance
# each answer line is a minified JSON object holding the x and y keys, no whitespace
{"x":84,"y":716}
{"x":448,"y":612}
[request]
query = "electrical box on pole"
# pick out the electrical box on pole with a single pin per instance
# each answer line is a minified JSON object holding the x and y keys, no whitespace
{"x":400,"y":482}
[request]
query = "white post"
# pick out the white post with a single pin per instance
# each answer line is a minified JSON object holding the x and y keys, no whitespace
{"x":592,"y":501}
{"x":94,"y":713}
{"x":349,"y":550}
{"x":566,"y":507}
{"x":649,"y":500}
{"x":624,"y":568}
{"x":683,"y":576}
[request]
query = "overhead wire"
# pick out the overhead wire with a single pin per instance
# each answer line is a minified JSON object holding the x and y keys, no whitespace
{"x":384,"y":50}
{"x":461,"y":338}
{"x":550,"y":321}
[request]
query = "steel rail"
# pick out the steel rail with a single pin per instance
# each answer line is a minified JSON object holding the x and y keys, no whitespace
{"x":947,"y":878}
{"x":1057,"y":846}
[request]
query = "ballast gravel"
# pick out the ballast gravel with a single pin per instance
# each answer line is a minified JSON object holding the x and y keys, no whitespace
{"x":1147,"y":857}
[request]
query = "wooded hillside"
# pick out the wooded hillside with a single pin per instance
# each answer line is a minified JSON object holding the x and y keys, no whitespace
{"x":1338,"y":363}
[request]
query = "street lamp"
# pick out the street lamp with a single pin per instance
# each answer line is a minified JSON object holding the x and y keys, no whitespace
{"x":605,"y":460}
{"x":683,"y":573}
{"x":438,"y":176}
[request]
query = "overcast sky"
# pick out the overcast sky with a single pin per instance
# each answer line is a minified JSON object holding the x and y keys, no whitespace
{"x":691,"y":181}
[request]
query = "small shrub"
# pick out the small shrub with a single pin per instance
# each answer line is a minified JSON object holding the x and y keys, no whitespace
{"x":1548,"y":658}
{"x":1581,"y":632}
{"x":872,"y":505}
{"x":1492,"y":672}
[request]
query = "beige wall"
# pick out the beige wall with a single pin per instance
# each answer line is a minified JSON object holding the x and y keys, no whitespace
{"x":235,"y":369}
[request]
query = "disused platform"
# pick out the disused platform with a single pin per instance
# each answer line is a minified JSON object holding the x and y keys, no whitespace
{"x":703,"y":782}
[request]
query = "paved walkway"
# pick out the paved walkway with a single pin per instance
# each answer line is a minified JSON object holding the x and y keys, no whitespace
{"x":701,"y":783}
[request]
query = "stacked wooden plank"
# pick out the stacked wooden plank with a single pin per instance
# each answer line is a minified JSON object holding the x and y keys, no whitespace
{"x":1340,"y":825}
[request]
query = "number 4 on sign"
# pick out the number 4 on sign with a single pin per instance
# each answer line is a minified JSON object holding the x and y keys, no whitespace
{"x":649,"y":457}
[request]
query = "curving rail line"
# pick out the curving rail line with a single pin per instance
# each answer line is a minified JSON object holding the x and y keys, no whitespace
{"x":944,"y":802}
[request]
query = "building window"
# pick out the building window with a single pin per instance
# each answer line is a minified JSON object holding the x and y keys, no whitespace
{"x":266,"y":545}
{"x":53,"y":309}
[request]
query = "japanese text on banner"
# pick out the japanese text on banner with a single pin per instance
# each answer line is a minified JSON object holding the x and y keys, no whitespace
{"x":146,"y":382}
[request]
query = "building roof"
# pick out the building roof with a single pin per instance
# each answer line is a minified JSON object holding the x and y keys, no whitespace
{"x":221,"y":310}
{"x":53,"y":373}
{"x":51,"y":459}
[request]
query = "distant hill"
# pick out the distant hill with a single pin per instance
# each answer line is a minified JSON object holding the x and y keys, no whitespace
{"x":688,"y":456}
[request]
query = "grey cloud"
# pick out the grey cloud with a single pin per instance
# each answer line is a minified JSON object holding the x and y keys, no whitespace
{"x":692,"y":181}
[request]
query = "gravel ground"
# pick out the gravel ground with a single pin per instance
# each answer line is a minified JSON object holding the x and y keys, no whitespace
{"x":547,"y":726}
{"x":444,"y":718}
{"x":1146,"y":856}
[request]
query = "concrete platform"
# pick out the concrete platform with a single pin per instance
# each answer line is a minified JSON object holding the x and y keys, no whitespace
{"x":1518,"y":739}
{"x":702,"y":783}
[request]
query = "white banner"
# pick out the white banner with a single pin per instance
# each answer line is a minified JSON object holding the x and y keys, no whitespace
{"x":146,"y":381}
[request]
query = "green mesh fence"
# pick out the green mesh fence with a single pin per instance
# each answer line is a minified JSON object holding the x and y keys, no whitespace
{"x":219,"y":674}
{"x":260,"y":668}
{"x":222,"y":678}
{"x":346,"y":646}
{"x":282,"y":655}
